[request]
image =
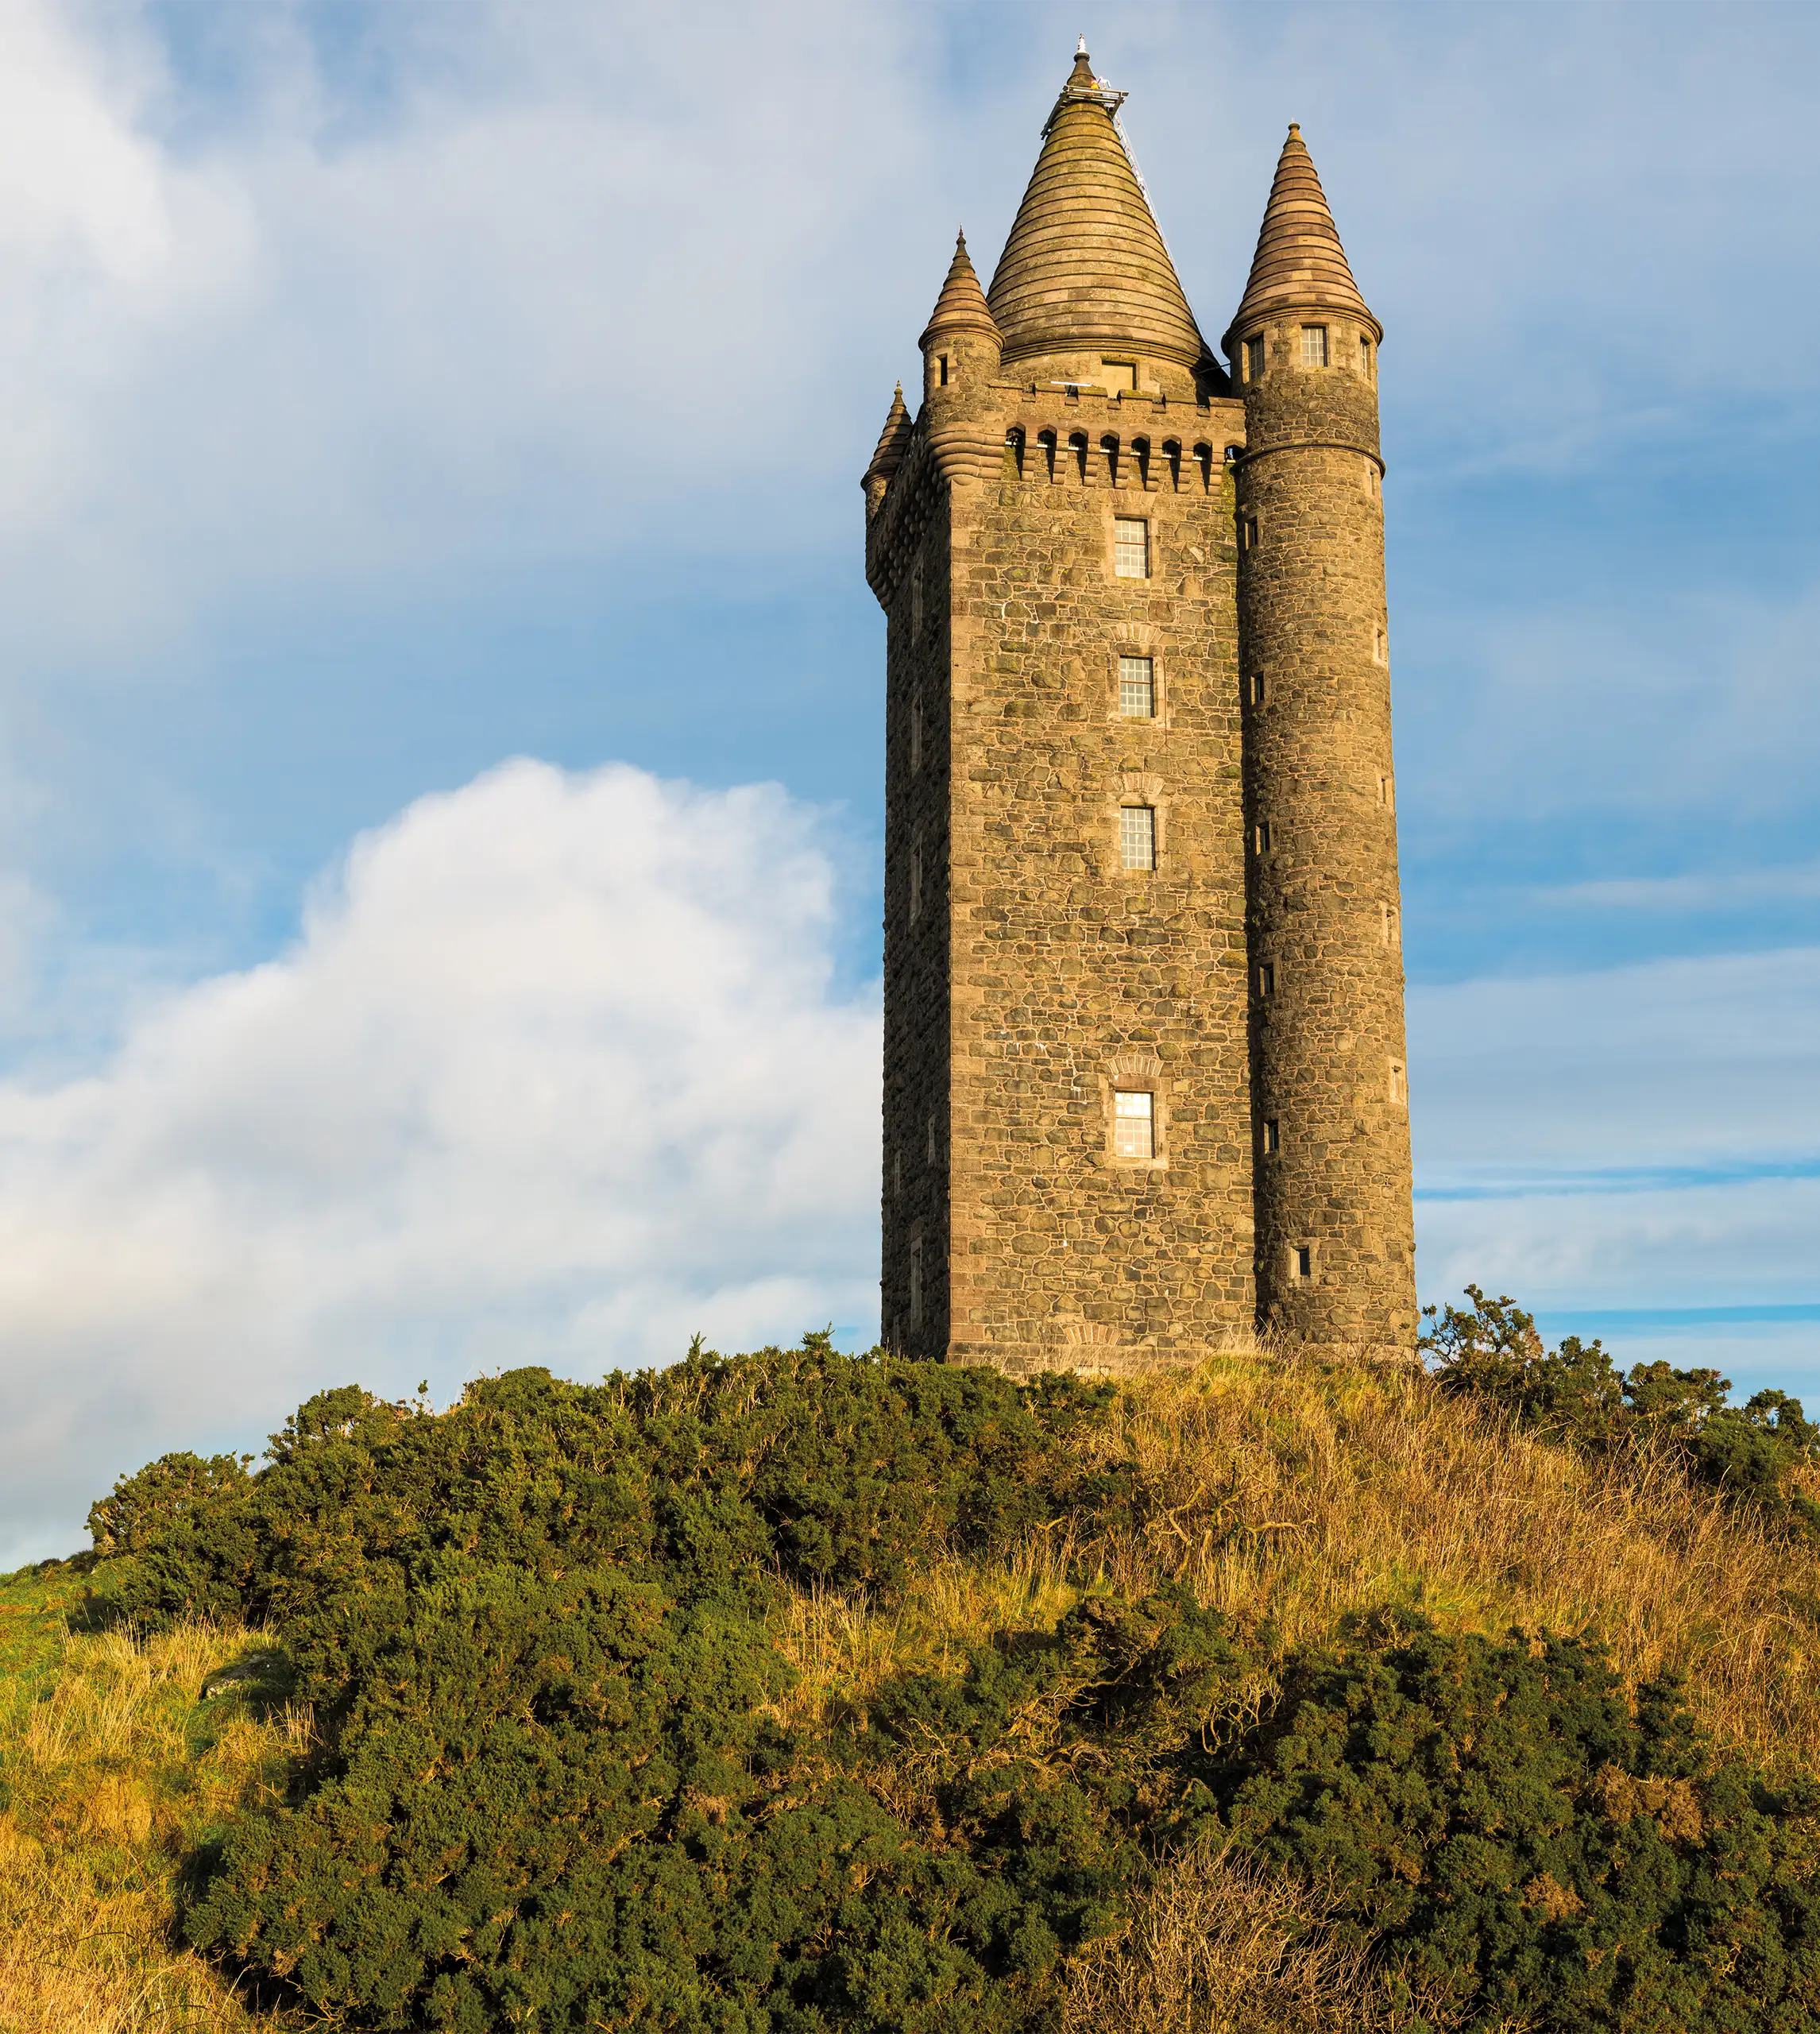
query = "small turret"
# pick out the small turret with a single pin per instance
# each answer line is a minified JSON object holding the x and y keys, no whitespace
{"x":960,"y":344}
{"x":894,"y":441}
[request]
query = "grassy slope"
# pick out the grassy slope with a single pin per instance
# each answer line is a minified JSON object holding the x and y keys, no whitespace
{"x":1287,"y":1494}
{"x":110,"y":1770}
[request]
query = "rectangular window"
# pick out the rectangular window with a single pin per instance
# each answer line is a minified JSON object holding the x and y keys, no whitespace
{"x":1304,"y":1261}
{"x":1254,"y":359}
{"x":1272,"y":1141}
{"x":1134,"y":1124}
{"x":1131,"y":547}
{"x":1137,"y":688}
{"x":1364,"y":356}
{"x":1254,"y":688}
{"x":1314,"y":346}
{"x":1260,"y":836}
{"x":1393,"y":926}
{"x":916,"y":601}
{"x":916,"y":881}
{"x":943,"y":366}
{"x":916,"y":734}
{"x":1247,"y":532}
{"x":1121,"y":373}
{"x":1136,"y":837}
{"x":1387,"y":793}
{"x":1267,"y":978}
{"x":1399,"y":1084}
{"x":916,"y":1281}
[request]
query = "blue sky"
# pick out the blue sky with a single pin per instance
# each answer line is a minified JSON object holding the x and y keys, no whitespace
{"x":434,"y":429}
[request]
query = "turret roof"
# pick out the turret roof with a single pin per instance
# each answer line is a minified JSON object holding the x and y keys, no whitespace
{"x":1084,"y":264}
{"x":894,"y":439}
{"x":1299,"y":261}
{"x":962,"y":303}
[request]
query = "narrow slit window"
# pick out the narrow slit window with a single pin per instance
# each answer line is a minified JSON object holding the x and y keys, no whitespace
{"x":1399,"y":1084}
{"x":1393,"y":926}
{"x":1304,"y":1261}
{"x":1134,"y":1123}
{"x":1247,"y":532}
{"x":943,"y":362}
{"x":1254,"y":688}
{"x":1267,"y":978}
{"x":1138,"y":837}
{"x":1387,"y":793}
{"x":916,"y":881}
{"x":916,"y":601}
{"x":916,"y":1281}
{"x":1380,"y":647}
{"x":1131,"y":547}
{"x":930,"y":1141}
{"x":1254,"y":357}
{"x":1314,"y":346}
{"x":1260,"y":836}
{"x":1273,"y":1139}
{"x":1137,"y":688}
{"x":916,"y":734}
{"x":1364,"y":356}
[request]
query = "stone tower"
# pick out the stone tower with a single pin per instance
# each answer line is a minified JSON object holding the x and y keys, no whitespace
{"x":1144,"y":1079}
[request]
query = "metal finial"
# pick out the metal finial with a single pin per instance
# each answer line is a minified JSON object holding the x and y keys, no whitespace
{"x":1081,"y":47}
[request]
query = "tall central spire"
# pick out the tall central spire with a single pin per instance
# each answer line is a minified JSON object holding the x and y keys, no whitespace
{"x":1084,"y":265}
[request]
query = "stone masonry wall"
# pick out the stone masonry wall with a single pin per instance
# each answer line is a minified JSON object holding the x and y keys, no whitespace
{"x":917,"y":1006}
{"x":1330,"y":1062}
{"x":1070,"y":977}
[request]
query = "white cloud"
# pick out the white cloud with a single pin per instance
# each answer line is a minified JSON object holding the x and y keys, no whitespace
{"x":556,"y":1072}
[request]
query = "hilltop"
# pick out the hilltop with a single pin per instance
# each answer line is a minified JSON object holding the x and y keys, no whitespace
{"x":796,"y":1690}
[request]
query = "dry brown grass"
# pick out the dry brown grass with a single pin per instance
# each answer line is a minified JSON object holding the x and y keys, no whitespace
{"x":112,"y":1771}
{"x":1222,"y":1946}
{"x":1291,"y":1491}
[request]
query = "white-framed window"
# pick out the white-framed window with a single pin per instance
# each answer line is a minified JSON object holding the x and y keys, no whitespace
{"x":1254,"y":357}
{"x":1137,"y":687}
{"x":1131,"y":547}
{"x":1134,"y":1123}
{"x":1314,"y":346}
{"x":1136,"y":837}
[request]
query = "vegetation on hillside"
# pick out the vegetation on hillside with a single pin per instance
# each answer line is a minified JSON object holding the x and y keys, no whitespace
{"x":798,"y":1691}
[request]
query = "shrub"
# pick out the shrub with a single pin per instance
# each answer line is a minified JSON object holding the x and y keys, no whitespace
{"x":1753,"y":1452}
{"x":1553,"y":1851}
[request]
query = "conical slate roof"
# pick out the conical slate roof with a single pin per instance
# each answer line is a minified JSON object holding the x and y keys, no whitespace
{"x":961,"y":306}
{"x":1084,"y":265}
{"x":1299,"y":261}
{"x":893,"y":440}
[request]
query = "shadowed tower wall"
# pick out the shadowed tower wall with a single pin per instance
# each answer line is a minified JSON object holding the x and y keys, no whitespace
{"x":1074,"y":1025}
